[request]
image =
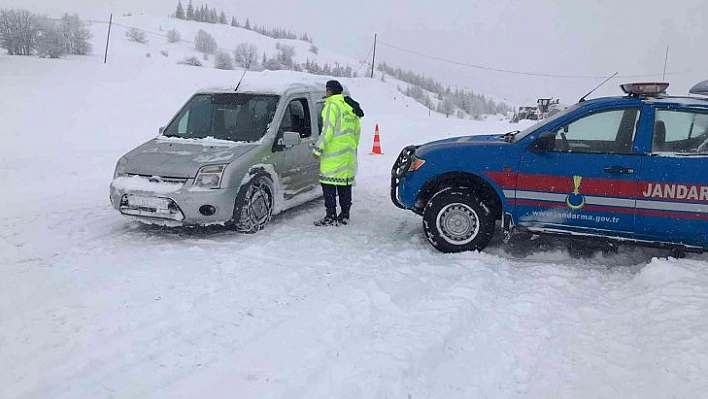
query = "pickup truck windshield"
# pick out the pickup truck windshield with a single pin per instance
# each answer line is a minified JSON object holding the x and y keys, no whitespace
{"x":226,"y":116}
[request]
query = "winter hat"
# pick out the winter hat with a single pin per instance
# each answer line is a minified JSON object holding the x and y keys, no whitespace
{"x":334,"y":86}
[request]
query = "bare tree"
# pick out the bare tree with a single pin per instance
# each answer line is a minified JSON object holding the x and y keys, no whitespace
{"x":246,"y":54}
{"x":223,"y":60}
{"x":136,"y":35}
{"x":51,"y":41}
{"x":19,"y":30}
{"x":76,"y":35}
{"x":173,"y":36}
{"x":204,"y":42}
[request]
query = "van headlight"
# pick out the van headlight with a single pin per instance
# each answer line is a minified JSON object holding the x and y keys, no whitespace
{"x":120,"y":167}
{"x":209,"y":176}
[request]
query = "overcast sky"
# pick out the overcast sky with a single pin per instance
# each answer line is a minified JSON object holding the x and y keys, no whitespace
{"x":566,"y":39}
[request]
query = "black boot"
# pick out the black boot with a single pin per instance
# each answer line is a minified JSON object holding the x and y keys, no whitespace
{"x":329,"y":220}
{"x":343,"y":217}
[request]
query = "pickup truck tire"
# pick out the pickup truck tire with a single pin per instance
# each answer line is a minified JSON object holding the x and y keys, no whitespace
{"x":254,"y":206}
{"x":456,"y":221}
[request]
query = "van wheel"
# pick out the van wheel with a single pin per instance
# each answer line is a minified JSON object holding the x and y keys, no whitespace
{"x":457,"y":221}
{"x":254,"y":206}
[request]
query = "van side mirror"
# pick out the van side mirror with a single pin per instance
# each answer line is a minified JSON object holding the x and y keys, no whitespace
{"x":290,"y":139}
{"x":546,"y":141}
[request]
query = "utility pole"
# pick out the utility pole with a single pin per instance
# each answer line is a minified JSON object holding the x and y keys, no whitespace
{"x":663,"y":77}
{"x":373,"y":59}
{"x":110,"y":23}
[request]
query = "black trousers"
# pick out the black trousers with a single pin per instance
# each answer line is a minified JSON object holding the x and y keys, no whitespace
{"x":331,"y":191}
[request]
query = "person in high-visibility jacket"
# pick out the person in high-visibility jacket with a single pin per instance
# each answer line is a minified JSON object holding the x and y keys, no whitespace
{"x":337,"y":150}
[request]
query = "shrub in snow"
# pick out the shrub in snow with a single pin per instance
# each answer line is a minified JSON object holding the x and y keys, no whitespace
{"x":314,"y":49}
{"x":193,"y":61}
{"x":173,"y":36}
{"x":223,"y":61}
{"x":136,"y":35}
{"x":165,"y":53}
{"x":148,"y":55}
{"x":204,"y":42}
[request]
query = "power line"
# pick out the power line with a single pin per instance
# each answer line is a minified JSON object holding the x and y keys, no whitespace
{"x":547,"y":75}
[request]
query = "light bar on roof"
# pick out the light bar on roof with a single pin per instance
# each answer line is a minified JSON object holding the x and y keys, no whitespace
{"x":644,"y":89}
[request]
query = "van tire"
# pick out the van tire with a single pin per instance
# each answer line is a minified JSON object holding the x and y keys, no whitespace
{"x":457,"y":221}
{"x":254,"y":206}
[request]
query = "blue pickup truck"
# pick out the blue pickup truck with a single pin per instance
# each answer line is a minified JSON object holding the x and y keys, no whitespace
{"x":630,"y":168}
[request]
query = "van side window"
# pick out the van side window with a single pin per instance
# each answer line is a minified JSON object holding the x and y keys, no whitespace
{"x":297,"y":118}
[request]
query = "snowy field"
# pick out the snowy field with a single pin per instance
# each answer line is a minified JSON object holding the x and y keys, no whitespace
{"x":93,"y":305}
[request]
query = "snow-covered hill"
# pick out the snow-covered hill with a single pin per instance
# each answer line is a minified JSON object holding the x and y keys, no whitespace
{"x":94,"y":305}
{"x":227,"y":38}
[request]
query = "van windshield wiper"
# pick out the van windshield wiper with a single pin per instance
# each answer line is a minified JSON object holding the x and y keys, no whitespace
{"x":509,"y":136}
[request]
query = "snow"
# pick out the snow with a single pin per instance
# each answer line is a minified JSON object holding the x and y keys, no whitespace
{"x":96,"y":305}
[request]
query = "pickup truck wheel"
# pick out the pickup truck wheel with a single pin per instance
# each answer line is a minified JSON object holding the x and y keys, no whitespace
{"x":254,"y":206}
{"x":458,"y":221}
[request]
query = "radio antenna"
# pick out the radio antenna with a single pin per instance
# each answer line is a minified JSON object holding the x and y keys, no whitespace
{"x":596,"y":87}
{"x":242,"y":75}
{"x":666,"y":59}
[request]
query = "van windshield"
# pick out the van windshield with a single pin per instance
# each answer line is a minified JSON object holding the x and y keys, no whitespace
{"x":225,"y":116}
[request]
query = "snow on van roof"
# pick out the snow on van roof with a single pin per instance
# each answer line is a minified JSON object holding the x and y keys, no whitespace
{"x":273,"y":82}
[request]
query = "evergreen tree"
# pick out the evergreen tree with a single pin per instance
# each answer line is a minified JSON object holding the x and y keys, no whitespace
{"x":197,"y":14}
{"x":179,"y":14}
{"x":234,"y":22}
{"x":222,"y":18}
{"x":247,"y":25}
{"x":190,"y":11}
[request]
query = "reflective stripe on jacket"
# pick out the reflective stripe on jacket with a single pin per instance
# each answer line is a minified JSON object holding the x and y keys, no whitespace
{"x":338,"y":142}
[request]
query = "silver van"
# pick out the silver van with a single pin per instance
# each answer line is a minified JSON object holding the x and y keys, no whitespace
{"x":233,"y":157}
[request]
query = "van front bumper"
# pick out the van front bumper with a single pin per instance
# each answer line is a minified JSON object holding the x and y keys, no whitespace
{"x":184,"y":206}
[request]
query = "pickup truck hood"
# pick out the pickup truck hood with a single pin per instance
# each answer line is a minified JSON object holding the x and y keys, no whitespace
{"x":456,"y":142}
{"x":181,"y":158}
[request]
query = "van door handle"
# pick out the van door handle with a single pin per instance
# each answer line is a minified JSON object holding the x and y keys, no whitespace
{"x":619,"y":170}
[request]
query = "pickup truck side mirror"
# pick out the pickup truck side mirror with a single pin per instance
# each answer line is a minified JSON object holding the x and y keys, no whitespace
{"x":546,"y":141}
{"x":162,"y":129}
{"x":290,"y":139}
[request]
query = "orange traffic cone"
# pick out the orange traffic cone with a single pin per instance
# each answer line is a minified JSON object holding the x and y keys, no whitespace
{"x":376,"y":150}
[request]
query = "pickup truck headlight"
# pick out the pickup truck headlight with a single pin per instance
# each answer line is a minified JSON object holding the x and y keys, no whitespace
{"x":120,"y":167}
{"x":209,"y":176}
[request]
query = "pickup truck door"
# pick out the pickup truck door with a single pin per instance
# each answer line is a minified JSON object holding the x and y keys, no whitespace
{"x":587,"y":182}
